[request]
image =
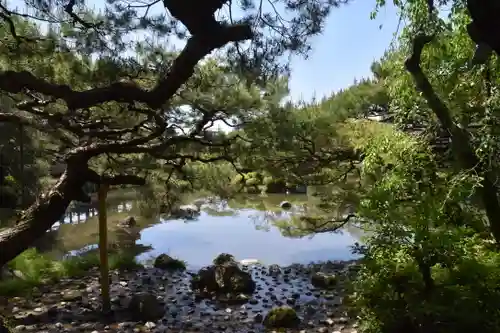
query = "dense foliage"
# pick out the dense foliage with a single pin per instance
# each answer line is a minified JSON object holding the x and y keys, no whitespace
{"x":430,"y":259}
{"x":116,"y":112}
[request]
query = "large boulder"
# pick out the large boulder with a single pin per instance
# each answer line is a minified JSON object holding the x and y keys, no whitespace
{"x":282,"y":317}
{"x":166,"y":262}
{"x":145,"y":307}
{"x":224,"y":277}
{"x":323,"y":280}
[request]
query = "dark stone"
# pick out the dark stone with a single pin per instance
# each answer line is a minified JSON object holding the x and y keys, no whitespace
{"x":164,"y":261}
{"x":222,"y":278}
{"x":145,"y":307}
{"x":322,"y":280}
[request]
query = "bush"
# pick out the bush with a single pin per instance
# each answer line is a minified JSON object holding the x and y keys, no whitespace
{"x":427,"y":266}
{"x":391,"y":295}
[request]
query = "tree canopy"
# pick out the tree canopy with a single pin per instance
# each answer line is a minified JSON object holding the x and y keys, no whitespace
{"x":77,"y":89}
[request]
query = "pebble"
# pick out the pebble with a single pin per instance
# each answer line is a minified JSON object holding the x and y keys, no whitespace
{"x":183,"y":309}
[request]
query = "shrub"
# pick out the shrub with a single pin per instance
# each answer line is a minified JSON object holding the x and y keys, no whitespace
{"x":427,"y":266}
{"x":391,"y":295}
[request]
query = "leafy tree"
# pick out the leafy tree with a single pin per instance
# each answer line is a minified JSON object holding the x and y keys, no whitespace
{"x":425,"y":239}
{"x":454,"y":93}
{"x":77,"y":82}
{"x":429,"y":242}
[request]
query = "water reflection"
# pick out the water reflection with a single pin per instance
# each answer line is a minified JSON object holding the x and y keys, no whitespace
{"x":199,"y":243}
{"x":242,"y":227}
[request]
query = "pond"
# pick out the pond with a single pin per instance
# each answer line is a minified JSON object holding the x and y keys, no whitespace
{"x":243,"y":227}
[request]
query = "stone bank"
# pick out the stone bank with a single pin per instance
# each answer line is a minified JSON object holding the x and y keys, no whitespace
{"x":156,"y":300}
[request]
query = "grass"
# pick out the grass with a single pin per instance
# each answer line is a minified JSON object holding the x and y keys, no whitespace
{"x":37,"y":269}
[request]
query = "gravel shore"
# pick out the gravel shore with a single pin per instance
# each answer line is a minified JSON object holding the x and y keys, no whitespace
{"x":73,"y":305}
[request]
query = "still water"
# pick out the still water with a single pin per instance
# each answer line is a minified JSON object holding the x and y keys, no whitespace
{"x":245,"y":228}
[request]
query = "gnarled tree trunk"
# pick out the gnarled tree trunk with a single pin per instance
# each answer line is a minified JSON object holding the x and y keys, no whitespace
{"x":41,"y":215}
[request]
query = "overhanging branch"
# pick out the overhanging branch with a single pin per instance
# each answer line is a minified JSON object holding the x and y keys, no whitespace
{"x":196,"y":49}
{"x":95,"y":178}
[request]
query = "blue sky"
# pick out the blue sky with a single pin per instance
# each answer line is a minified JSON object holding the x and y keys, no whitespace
{"x":345,"y":51}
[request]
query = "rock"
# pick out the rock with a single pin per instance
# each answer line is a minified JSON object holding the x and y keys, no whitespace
{"x":129,"y":222}
{"x":224,"y":277}
{"x":329,"y":321}
{"x":322,"y":280}
{"x":187,"y":212}
{"x":71,"y":295}
{"x":258,"y":318}
{"x":13,"y":274}
{"x":164,"y":261}
{"x":150,"y":325}
{"x":285,"y":205}
{"x":145,"y":307}
{"x":274,"y":270}
{"x":282,"y":317}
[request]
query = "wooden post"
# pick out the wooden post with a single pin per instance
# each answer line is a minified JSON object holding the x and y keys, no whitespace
{"x":103,"y":247}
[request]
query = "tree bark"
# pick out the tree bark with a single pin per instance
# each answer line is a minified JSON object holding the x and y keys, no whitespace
{"x":40,"y":216}
{"x":49,"y":208}
{"x":461,"y":145}
{"x":485,"y":26}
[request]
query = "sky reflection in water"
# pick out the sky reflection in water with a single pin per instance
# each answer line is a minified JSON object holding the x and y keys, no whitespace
{"x":198,"y":242}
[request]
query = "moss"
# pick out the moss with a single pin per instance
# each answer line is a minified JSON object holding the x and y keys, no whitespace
{"x":282,"y":317}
